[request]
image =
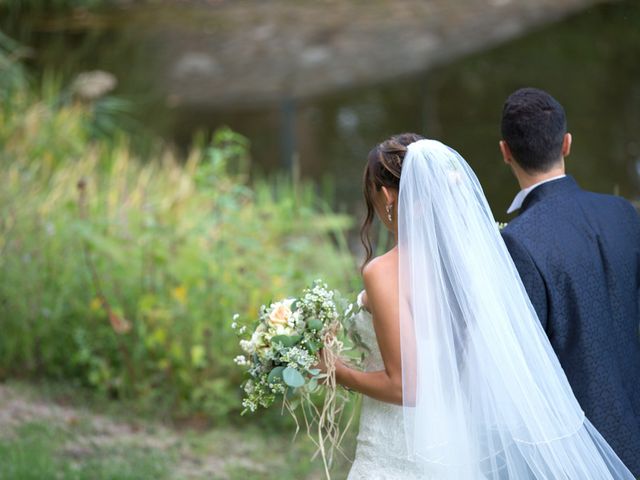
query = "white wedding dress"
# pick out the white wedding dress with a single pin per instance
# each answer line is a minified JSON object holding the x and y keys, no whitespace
{"x":381,"y":452}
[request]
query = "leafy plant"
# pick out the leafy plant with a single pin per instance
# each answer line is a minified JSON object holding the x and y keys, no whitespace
{"x":124,"y":274}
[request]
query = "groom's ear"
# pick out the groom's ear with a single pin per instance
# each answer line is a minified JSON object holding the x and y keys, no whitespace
{"x":566,"y":145}
{"x":506,"y":152}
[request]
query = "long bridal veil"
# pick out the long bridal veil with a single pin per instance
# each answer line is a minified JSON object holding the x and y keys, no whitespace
{"x":484,"y":394}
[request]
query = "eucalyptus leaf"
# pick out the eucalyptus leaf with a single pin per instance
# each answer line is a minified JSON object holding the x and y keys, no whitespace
{"x":275,"y":374}
{"x":292,"y":377}
{"x":315,"y":324}
{"x":283,"y":339}
{"x":286,"y":340}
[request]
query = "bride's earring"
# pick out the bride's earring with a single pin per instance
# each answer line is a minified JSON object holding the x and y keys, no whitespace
{"x":389,"y":209}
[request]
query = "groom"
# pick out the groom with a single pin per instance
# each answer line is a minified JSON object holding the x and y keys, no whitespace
{"x":578,"y":254}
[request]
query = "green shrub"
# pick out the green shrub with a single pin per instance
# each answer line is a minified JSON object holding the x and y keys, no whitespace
{"x":125,"y":274}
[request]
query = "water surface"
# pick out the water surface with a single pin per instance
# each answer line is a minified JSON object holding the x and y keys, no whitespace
{"x":589,"y":62}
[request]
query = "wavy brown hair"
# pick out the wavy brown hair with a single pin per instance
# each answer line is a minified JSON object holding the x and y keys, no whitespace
{"x":384,"y":165}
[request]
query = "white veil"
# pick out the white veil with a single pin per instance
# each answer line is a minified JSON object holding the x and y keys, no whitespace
{"x":484,"y":394}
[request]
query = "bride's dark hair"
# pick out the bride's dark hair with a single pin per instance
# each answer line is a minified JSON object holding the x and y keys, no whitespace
{"x":384,"y":165}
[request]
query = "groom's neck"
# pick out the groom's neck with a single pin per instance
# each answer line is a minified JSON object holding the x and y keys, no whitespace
{"x":527,"y":179}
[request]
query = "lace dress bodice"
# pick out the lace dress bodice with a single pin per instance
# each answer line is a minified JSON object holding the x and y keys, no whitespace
{"x":381,"y":452}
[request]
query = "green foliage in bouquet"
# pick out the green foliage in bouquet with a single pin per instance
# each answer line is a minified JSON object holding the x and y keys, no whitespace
{"x":283,"y":348}
{"x":123,"y":275}
{"x":292,"y":337}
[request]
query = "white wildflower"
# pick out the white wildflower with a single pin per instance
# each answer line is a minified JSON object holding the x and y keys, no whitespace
{"x":247,"y":346}
{"x":249,"y":405}
{"x":248,"y":387}
{"x":240,"y":360}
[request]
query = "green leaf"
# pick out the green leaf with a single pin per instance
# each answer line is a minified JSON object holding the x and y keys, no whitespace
{"x":292,"y":377}
{"x":315,"y":324}
{"x":313,"y":346}
{"x":275,"y":374}
{"x":283,"y":339}
{"x":286,"y":340}
{"x":314,"y":371}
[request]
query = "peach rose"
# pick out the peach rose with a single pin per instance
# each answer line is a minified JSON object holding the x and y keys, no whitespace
{"x":280,"y":315}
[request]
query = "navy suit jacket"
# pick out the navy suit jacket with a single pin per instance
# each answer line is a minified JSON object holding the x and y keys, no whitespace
{"x":578,"y":254}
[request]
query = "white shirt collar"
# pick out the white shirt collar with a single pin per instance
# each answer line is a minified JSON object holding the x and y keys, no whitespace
{"x":522,"y":194}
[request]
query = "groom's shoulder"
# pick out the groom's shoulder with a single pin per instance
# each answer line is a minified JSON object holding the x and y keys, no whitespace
{"x":609,"y":209}
{"x":609,"y":201}
{"x":545,"y":218}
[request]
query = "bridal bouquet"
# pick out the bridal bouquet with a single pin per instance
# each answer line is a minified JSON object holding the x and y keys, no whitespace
{"x":281,"y":354}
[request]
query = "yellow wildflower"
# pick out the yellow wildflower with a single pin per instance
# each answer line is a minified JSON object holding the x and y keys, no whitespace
{"x":95,"y":305}
{"x":180,"y":294}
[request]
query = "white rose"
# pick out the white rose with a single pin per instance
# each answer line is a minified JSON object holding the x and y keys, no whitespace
{"x":284,"y":330}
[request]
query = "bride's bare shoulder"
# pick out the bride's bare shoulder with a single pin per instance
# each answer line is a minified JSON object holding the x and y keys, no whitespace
{"x":381,"y":271}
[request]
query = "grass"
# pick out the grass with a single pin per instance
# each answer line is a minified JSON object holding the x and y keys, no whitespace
{"x":40,"y":450}
{"x":56,"y":431}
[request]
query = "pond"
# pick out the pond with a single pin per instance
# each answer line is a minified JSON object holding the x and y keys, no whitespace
{"x":590,"y":62}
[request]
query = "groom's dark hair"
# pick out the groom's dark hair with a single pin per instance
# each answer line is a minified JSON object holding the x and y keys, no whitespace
{"x":533,"y":126}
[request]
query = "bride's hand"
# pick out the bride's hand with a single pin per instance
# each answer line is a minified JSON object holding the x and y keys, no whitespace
{"x":322,"y":365}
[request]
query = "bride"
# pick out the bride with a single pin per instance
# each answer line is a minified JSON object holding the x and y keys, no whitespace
{"x":461,"y":382}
